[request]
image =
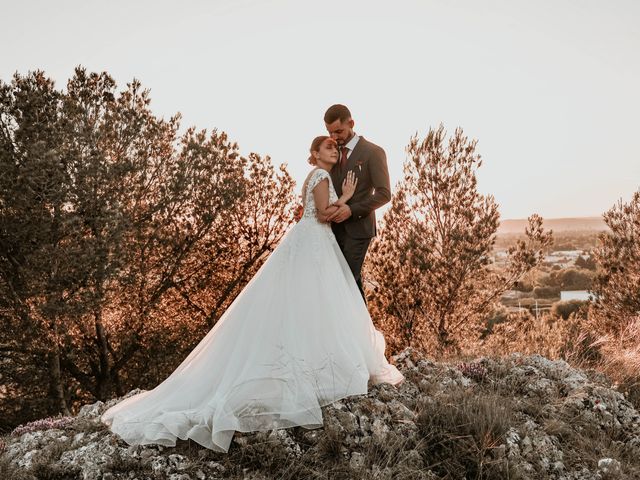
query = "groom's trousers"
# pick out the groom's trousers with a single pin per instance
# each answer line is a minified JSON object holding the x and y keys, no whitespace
{"x":354,"y":251}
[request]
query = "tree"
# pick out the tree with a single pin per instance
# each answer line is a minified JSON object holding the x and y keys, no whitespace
{"x":614,"y":316}
{"x":431,"y":263}
{"x":575,"y":279}
{"x":616,"y":286}
{"x":568,"y":279}
{"x":111,"y":223}
{"x":36,"y":268}
{"x":585,"y":262}
{"x":250,"y":233}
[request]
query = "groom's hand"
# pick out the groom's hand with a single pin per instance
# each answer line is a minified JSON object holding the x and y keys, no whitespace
{"x":340,"y":215}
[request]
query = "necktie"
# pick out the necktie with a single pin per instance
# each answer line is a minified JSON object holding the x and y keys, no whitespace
{"x":343,"y":158}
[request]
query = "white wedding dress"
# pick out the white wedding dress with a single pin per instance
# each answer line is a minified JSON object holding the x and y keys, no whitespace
{"x":297,"y":337}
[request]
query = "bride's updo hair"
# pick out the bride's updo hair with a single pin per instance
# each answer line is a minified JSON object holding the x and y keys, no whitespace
{"x":315,"y":147}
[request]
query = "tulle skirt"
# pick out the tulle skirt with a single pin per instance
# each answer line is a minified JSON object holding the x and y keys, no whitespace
{"x":298,"y":337}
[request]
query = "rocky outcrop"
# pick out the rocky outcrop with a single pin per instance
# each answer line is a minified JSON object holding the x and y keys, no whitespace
{"x":515,"y":417}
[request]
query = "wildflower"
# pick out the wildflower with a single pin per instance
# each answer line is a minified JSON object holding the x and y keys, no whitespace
{"x":43,"y":424}
{"x":474,"y":371}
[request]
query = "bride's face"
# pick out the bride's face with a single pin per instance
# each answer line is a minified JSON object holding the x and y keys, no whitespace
{"x":328,"y":152}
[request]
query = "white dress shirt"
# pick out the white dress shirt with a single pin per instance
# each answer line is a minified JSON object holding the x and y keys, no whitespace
{"x":351,"y":144}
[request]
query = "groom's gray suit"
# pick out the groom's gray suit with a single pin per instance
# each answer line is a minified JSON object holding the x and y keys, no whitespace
{"x":369,"y":163}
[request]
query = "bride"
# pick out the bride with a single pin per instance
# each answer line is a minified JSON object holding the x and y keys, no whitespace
{"x":297,"y":338}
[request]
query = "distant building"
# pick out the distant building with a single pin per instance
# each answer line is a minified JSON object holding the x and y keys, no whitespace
{"x":574,"y":295}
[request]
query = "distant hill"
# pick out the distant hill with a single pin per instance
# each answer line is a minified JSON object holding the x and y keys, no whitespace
{"x":578,"y":224}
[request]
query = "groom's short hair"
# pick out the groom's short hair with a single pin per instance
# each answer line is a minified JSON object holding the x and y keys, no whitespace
{"x":337,"y":112}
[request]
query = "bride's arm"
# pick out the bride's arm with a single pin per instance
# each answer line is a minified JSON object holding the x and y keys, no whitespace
{"x":321,"y":196}
{"x":321,"y":199}
{"x":331,"y":209}
{"x":325,"y":218}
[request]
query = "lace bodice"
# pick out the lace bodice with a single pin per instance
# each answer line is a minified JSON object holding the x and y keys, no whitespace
{"x":315,"y":177}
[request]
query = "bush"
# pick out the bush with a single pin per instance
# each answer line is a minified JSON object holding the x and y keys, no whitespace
{"x":575,"y":279}
{"x":546,"y":292}
{"x":523,"y":286}
{"x":565,"y":308}
{"x":499,"y":314}
{"x":588,"y":263}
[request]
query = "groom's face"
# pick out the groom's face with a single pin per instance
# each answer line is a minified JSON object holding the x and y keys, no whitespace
{"x":341,"y":132}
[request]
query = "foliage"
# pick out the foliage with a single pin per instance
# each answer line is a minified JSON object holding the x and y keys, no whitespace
{"x":587,"y":262}
{"x":566,"y":308}
{"x":614,"y":316}
{"x":432,"y":264}
{"x":121,"y":240}
{"x":546,"y":292}
{"x":568,"y":279}
{"x":616,"y":286}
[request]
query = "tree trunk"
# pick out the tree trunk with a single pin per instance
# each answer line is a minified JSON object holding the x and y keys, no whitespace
{"x":56,"y":383}
{"x":103,"y":379}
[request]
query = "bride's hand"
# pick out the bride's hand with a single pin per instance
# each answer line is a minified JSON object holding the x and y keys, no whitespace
{"x":349,"y":185}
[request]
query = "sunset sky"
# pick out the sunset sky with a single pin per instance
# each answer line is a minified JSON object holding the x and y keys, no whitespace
{"x":549,"y":88}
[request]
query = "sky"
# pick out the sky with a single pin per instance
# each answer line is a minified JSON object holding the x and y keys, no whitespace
{"x":549,"y":88}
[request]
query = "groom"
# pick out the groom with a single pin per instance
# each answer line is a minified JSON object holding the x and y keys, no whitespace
{"x":354,"y":224}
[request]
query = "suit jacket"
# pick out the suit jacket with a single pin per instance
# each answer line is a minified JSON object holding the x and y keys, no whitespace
{"x":369,"y":163}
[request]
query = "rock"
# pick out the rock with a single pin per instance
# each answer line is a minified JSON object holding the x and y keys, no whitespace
{"x":284,"y":438}
{"x":216,"y":467}
{"x":388,"y":423}
{"x":379,"y":429}
{"x":311,"y":436}
{"x":558,"y":467}
{"x":357,"y":461}
{"x":159,"y":464}
{"x":609,"y":466}
{"x":574,"y":381}
{"x":178,"y":462}
{"x":400,"y":412}
{"x":179,"y":476}
{"x":92,"y":411}
{"x":348,"y":421}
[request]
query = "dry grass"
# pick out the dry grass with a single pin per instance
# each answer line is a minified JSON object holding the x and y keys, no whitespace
{"x":9,"y":470}
{"x":576,"y":341}
{"x":583,"y":443}
{"x":547,"y":336}
{"x":620,"y":359}
{"x":459,"y":432}
{"x":44,"y":465}
{"x":611,"y":359}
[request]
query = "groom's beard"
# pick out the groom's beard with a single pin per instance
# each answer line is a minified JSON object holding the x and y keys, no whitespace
{"x":342,"y":143}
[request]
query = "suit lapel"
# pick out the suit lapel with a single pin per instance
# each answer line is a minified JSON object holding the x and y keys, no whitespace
{"x":335,"y":178}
